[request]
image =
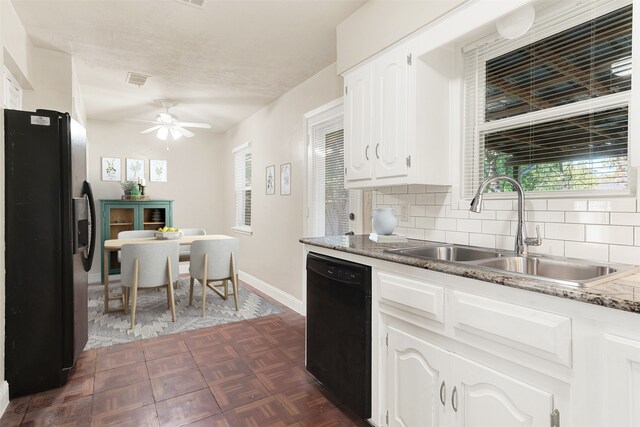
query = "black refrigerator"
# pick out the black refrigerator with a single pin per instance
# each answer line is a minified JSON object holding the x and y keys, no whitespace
{"x":49,"y":246}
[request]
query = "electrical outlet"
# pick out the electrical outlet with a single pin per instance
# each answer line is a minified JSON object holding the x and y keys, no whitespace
{"x":404,"y":212}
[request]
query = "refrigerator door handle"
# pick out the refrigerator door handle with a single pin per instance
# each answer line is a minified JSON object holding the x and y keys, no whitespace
{"x":88,"y":260}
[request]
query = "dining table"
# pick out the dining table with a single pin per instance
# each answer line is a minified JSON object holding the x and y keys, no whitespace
{"x":114,"y":245}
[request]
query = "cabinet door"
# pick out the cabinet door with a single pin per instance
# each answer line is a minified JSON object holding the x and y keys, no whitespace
{"x":622,"y":397}
{"x":389,"y":139}
{"x":487,"y":398}
{"x":357,"y":125}
{"x":416,"y":373}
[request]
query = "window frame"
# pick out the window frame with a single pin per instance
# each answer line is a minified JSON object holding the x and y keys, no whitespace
{"x":502,"y":46}
{"x":240,"y":226}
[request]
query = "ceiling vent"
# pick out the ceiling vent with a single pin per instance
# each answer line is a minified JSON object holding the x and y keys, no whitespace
{"x":136,"y":78}
{"x":196,"y":3}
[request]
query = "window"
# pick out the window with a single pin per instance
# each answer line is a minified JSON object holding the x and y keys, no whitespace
{"x":330,"y":203}
{"x":551,"y":109}
{"x":242,"y":180}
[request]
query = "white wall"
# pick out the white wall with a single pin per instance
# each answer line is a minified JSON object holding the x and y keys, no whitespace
{"x":4,"y":399}
{"x":273,"y":253}
{"x":380,"y":23}
{"x":16,"y":44}
{"x":51,"y":77}
{"x":194,"y":168}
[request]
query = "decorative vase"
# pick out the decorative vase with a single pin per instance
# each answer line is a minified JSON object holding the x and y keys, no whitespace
{"x":383,"y":221}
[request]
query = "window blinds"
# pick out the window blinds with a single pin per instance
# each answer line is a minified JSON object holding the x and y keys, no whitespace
{"x":329,"y":199}
{"x":242,"y":184}
{"x":551,"y":108}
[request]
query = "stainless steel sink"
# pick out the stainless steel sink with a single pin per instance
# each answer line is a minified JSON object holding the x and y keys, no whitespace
{"x":567,"y":271}
{"x":450,"y":253}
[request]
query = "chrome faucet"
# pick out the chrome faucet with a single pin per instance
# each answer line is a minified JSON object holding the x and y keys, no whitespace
{"x":522,"y":241}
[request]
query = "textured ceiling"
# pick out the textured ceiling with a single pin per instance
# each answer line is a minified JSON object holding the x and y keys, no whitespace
{"x":220,"y":63}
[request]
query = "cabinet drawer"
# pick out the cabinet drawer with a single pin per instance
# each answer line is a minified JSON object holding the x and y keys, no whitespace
{"x":423,"y":299}
{"x":487,"y":321}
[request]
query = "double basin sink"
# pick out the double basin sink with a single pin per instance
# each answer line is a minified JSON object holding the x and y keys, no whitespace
{"x":564,"y":271}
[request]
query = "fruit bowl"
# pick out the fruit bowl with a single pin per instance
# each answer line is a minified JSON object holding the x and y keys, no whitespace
{"x":168,"y":235}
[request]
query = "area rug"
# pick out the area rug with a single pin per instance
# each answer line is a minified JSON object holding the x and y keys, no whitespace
{"x":153,"y":319}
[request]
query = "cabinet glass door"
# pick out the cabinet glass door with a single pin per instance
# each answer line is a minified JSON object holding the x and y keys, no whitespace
{"x":154,"y":218}
{"x":119,"y":219}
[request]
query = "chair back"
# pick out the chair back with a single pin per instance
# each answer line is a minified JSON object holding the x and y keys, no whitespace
{"x":152,"y":263}
{"x":219,"y":258}
{"x":193,"y":231}
{"x":136,"y":234}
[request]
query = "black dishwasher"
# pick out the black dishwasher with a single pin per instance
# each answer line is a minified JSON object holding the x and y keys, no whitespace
{"x":339,"y":329}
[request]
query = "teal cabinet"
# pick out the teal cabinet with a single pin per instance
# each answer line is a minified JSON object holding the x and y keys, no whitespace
{"x":124,"y":215}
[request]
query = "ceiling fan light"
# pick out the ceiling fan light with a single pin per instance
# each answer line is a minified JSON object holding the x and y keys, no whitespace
{"x":175,"y":133}
{"x":163,"y":133}
{"x":164,"y":118}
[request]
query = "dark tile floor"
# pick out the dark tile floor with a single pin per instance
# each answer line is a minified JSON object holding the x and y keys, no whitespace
{"x":248,"y":373}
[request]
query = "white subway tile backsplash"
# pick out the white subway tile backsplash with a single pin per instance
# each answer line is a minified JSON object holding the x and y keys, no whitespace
{"x":483,"y":240}
{"x":496,"y":227}
{"x":599,"y":229}
{"x":533,"y":205}
{"x":610,"y":234}
{"x":443,"y":199}
{"x":587,"y":217}
{"x":425,"y":222}
{"x":497,"y":205}
{"x":591,"y":251}
{"x":455,"y":213}
{"x":445,"y":224}
{"x":417,"y":210}
{"x":399,"y":189}
{"x":457,"y":237}
{"x":426,"y":199}
{"x":435,"y":235}
{"x":565,"y":231}
{"x":624,"y":254}
{"x":566,"y":205}
{"x":615,"y":205}
{"x":545,"y":216}
{"x":415,"y":233}
{"x":470,"y":225}
{"x":506,"y":215}
{"x":549,"y":247}
{"x":625,"y":218}
{"x":417,"y":188}
{"x":434,"y":211}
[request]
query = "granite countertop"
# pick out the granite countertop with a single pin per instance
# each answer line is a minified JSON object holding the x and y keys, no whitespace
{"x":621,"y":293}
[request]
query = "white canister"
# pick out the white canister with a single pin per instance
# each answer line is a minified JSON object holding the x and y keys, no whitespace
{"x":383,"y":221}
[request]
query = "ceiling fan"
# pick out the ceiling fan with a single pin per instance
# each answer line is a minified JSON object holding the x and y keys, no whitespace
{"x":166,"y":124}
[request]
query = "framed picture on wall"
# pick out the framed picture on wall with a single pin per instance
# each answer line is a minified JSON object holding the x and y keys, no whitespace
{"x":111,"y":169}
{"x":158,"y":170}
{"x":135,"y":169}
{"x":271,"y":179}
{"x":285,"y":179}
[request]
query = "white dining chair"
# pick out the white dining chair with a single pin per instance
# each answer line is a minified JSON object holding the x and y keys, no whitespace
{"x":185,"y":250}
{"x":134,"y":234}
{"x":214,"y":260}
{"x":149,"y":265}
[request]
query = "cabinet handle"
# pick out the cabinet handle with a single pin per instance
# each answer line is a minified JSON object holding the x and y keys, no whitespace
{"x":443,"y":393}
{"x":454,"y":399}
{"x":377,"y":145}
{"x":366,"y":152}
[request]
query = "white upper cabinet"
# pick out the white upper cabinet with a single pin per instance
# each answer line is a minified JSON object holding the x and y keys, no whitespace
{"x":357,"y":125}
{"x":397,"y":118}
{"x":390,"y":114}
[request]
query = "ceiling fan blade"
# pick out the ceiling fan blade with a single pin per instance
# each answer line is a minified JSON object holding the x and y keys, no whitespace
{"x":185,"y":132}
{"x":194,"y":125}
{"x":151,"y":129}
{"x":142,"y":121}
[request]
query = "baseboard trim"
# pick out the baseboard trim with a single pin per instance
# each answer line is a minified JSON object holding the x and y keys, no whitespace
{"x":4,"y":397}
{"x":96,"y":278}
{"x":277,"y":294}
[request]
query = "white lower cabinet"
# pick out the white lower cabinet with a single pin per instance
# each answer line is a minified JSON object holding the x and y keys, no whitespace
{"x":622,"y":394}
{"x":430,"y":386}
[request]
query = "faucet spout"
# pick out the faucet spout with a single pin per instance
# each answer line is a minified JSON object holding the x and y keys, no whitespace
{"x":521,"y":233}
